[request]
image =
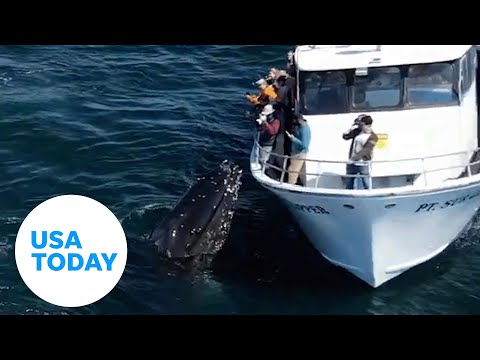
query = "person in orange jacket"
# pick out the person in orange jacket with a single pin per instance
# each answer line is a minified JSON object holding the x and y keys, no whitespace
{"x":267,"y":94}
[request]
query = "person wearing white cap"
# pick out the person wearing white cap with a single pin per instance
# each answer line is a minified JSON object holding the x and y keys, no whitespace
{"x":269,"y":129}
{"x":262,"y":83}
{"x":267,"y":94}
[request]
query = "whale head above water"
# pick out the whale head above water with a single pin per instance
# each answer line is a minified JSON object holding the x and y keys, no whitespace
{"x":201,"y":220}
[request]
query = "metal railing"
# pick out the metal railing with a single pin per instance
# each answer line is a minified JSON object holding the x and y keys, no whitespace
{"x":468,"y":167}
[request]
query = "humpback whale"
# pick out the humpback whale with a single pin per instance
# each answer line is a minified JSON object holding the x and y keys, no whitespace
{"x":198,"y":226}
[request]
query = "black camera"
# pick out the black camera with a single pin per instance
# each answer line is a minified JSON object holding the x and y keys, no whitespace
{"x":355,"y":129}
{"x":359,"y":120}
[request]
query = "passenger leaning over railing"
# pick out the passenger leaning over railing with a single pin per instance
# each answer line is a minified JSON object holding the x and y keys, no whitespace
{"x":364,"y":141}
{"x":269,"y":128}
{"x":300,"y":145}
{"x":267,"y":94}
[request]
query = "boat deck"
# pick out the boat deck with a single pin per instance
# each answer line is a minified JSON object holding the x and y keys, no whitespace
{"x":431,"y":172}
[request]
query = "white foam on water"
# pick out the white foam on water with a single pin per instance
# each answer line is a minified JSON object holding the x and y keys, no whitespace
{"x":141,"y":211}
{"x":10,"y":220}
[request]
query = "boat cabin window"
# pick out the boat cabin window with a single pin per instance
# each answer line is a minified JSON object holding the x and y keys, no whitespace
{"x":323,"y":92}
{"x":431,"y":84}
{"x":467,"y":70}
{"x":381,"y":88}
{"x":384,"y":88}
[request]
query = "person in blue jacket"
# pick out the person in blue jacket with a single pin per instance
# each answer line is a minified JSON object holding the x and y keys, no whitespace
{"x":300,"y":145}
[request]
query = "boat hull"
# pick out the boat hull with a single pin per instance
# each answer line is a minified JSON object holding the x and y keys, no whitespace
{"x":378,"y":238}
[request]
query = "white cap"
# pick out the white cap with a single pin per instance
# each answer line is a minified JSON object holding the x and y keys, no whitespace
{"x":261,"y":82}
{"x":268,"y":110}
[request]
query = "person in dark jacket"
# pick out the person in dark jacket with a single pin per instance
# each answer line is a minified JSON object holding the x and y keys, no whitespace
{"x":361,"y":150}
{"x":285,"y":104}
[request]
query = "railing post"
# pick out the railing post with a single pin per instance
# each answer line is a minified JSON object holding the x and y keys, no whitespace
{"x":424,"y":172}
{"x":469,"y":168}
{"x":370,"y":184}
{"x":284,"y":169}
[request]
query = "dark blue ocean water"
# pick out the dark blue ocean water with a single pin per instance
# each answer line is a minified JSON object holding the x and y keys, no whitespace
{"x":131,"y":126}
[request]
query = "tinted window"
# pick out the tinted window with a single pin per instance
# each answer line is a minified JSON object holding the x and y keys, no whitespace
{"x":430,"y":84}
{"x":381,"y":88}
{"x":323,"y":93}
{"x":467,"y":71}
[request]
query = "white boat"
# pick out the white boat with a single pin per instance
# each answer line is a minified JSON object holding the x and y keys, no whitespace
{"x":424,"y":188}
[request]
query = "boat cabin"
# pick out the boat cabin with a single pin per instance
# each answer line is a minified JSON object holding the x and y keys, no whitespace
{"x":422,"y":98}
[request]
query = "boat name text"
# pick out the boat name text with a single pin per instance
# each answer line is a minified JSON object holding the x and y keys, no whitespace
{"x":428,"y":207}
{"x":310,"y":208}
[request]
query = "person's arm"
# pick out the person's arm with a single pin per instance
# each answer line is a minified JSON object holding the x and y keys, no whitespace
{"x":367,"y":150}
{"x":272,"y":128}
{"x":270,"y":93}
{"x":253,"y":99}
{"x":307,"y":136}
{"x":304,"y":137}
{"x":352,"y":133}
{"x":296,"y":140}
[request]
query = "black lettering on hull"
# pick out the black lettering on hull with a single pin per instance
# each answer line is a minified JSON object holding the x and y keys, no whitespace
{"x":429,"y":207}
{"x":312,"y":209}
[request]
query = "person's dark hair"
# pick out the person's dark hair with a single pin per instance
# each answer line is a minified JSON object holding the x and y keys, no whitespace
{"x":299,"y":117}
{"x":367,"y":120}
{"x":281,"y":80}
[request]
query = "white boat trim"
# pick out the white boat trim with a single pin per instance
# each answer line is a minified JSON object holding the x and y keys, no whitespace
{"x":332,"y":57}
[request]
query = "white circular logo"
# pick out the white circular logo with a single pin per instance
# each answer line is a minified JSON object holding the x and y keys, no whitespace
{"x":71,"y":251}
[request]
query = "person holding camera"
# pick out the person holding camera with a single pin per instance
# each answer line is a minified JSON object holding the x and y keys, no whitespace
{"x":269,"y":126}
{"x":363,"y":143}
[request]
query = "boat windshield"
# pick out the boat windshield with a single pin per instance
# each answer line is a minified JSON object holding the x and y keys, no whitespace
{"x":383,"y":88}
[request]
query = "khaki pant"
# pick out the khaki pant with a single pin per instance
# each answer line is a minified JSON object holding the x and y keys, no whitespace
{"x":296,"y":163}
